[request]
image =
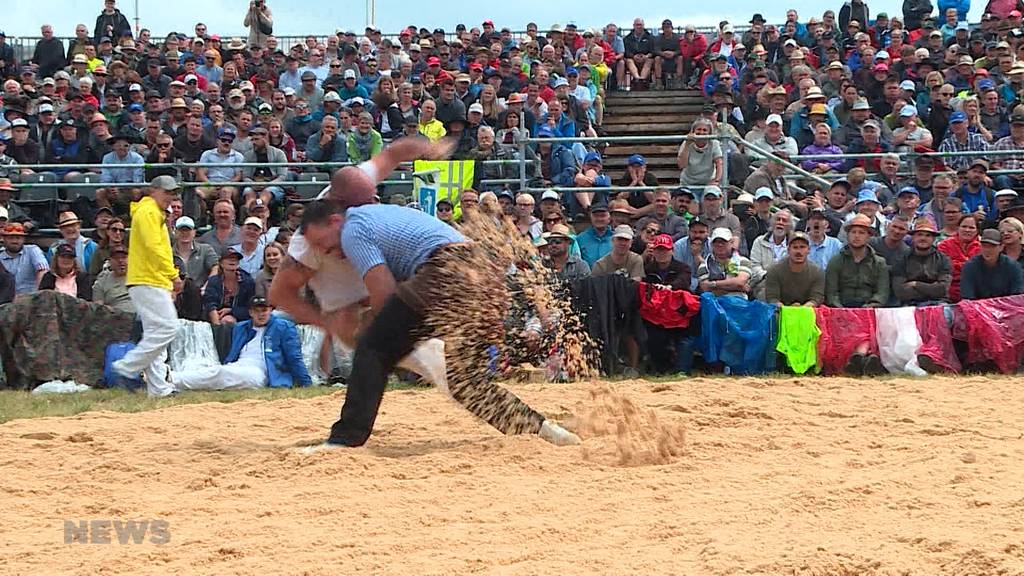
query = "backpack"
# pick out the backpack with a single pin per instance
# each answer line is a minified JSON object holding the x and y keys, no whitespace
{"x":115,"y":352}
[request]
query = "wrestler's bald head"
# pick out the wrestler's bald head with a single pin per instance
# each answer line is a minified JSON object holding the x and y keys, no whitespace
{"x":352,"y":187}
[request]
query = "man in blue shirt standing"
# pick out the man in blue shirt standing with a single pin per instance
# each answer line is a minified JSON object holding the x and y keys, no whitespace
{"x":596,"y":241}
{"x":412,"y":265}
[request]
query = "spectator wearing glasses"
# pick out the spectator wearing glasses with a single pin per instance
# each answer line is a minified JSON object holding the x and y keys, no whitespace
{"x":114,"y":235}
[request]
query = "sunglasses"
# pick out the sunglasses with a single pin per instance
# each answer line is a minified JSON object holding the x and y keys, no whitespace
{"x":556,"y":241}
{"x":651,"y":230}
{"x":335,"y":65}
{"x":163,"y":145}
{"x":118,"y":230}
{"x":555,"y":219}
{"x":226,"y":140}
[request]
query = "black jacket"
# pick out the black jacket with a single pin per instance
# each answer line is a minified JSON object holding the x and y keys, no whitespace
{"x":6,"y":286}
{"x":82,"y":280}
{"x":611,"y":307}
{"x":113,"y":26}
{"x":49,"y":55}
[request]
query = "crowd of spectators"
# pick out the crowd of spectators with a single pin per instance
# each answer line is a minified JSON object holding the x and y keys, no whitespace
{"x":888,"y":230}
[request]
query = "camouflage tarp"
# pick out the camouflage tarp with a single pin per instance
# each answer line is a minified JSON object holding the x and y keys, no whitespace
{"x":51,"y":336}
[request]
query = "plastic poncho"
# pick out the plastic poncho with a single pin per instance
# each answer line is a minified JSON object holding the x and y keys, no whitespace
{"x":842,"y":330}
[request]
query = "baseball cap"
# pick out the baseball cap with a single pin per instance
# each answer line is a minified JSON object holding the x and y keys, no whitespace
{"x":476,"y":107}
{"x":550,"y":194}
{"x":713,"y":191}
{"x":721,"y":234}
{"x":773,"y":119}
{"x":867,"y":196}
{"x":662,"y":241}
{"x":763,"y":193}
{"x":861,"y":104}
{"x":636,"y":160}
{"x":19,"y":123}
{"x":957,"y":116}
{"x":908,"y":110}
{"x":744,"y":198}
{"x":349,"y":74}
{"x":136,"y":107}
{"x":165,"y":183}
{"x":1007,"y":192}
{"x":231,"y":253}
{"x":990,"y":236}
{"x":64,"y":249}
{"x":592,"y":157}
{"x":184,"y":222}
{"x":623,"y":231}
{"x":908,"y":85}
{"x":560,"y":82}
{"x":909,"y":190}
{"x":259,"y":302}
{"x":871,"y":123}
{"x":254,"y":221}
{"x":598,"y":207}
{"x":798,"y":236}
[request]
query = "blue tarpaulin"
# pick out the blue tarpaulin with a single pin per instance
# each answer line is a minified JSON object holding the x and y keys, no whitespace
{"x":740,"y":333}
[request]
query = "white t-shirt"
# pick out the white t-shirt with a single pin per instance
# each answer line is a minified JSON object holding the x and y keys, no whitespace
{"x":336,"y":283}
{"x":252,"y":353}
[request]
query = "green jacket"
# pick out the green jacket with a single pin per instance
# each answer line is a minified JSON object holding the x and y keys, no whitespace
{"x":856,"y":284}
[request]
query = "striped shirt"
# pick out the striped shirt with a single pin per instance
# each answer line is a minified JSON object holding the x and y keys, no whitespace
{"x":394,"y":236}
{"x":1008,"y":162}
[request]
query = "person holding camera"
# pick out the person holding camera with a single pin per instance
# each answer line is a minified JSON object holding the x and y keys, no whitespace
{"x":260,"y":22}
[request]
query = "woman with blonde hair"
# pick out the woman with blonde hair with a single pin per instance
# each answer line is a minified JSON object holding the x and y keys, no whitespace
{"x":273,"y":254}
{"x":1012,"y":230}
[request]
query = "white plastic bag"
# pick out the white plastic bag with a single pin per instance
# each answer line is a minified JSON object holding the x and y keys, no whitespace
{"x":312,"y":339}
{"x":60,"y":387}
{"x":898,"y":340}
{"x":193,"y":347}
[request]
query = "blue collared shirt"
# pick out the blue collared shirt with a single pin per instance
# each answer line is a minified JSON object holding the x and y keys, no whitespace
{"x":822,"y":253}
{"x":594,"y":246}
{"x":394,"y":236}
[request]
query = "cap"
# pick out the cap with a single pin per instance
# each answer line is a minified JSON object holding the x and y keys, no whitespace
{"x":909,"y":190}
{"x":908,"y":110}
{"x":636,"y":160}
{"x":332,"y":96}
{"x":623,"y":231}
{"x":861,"y":104}
{"x":798,"y":236}
{"x":560,"y":82}
{"x":773,"y":119}
{"x":349,"y":74}
{"x":598,"y":207}
{"x":184,"y":222}
{"x":713,"y":191}
{"x":980,"y":162}
{"x":1006,"y":192}
{"x":592,"y":157}
{"x":65,"y":249}
{"x":19,"y":123}
{"x":661,"y":241}
{"x":744,"y":198}
{"x":165,"y":183}
{"x":957,"y":116}
{"x":861,"y":220}
{"x":763,"y":193}
{"x":721,"y":234}
{"x":817,"y":213}
{"x":230,"y":253}
{"x":871,"y":123}
{"x":881,"y":67}
{"x":908,"y":85}
{"x":259,"y":302}
{"x":924,"y":225}
{"x":620,"y":206}
{"x":867,"y":196}
{"x":308,"y":75}
{"x":550,"y":194}
{"x":476,"y":107}
{"x":255,"y":221}
{"x":683,"y":191}
{"x":986,"y":84}
{"x":991,"y":236}
{"x":965,"y":60}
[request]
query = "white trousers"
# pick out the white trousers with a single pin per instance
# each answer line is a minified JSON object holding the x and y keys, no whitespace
{"x":155,"y":307}
{"x":234,"y":376}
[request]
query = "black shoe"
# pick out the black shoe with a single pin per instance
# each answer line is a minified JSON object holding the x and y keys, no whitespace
{"x":855,"y":367}
{"x":929,"y":365}
{"x":873,"y":366}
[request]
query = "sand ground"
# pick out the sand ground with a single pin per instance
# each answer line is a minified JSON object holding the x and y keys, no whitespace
{"x":806,"y":476}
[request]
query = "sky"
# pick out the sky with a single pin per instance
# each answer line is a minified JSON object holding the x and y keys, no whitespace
{"x":299,"y":17}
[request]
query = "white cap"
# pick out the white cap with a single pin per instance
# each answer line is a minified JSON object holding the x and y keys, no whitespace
{"x":350,"y":73}
{"x":476,"y":107}
{"x":907,"y":85}
{"x":135,"y":88}
{"x":190,"y":78}
{"x":332,"y":96}
{"x":254,"y":221}
{"x":45,"y":108}
{"x":289,"y":91}
{"x":185,"y":222}
{"x":773,"y":119}
{"x":549,"y":194}
{"x":721,"y":234}
{"x":763,"y":192}
{"x":623,"y":231}
{"x":1007,"y":192}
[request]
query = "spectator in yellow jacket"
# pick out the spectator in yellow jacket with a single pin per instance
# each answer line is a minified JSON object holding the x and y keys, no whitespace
{"x":152,"y":280}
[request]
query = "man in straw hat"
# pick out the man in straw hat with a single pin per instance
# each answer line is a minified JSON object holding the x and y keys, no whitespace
{"x":922,"y":277}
